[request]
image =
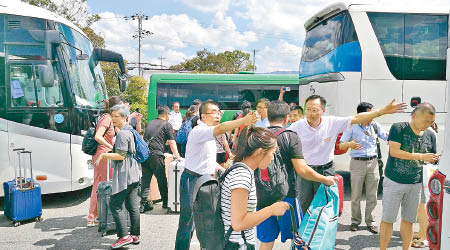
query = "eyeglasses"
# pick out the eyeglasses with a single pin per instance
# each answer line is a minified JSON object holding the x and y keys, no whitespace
{"x":218,"y":112}
{"x":314,"y":111}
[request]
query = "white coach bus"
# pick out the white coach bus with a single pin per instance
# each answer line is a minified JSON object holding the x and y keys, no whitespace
{"x":355,"y":53}
{"x":51,"y":88}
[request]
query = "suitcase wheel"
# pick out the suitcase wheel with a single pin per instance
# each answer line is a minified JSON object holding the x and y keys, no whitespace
{"x":16,"y":223}
{"x":39,"y":219}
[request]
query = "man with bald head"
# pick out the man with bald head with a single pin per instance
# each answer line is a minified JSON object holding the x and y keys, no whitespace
{"x":411,"y":145}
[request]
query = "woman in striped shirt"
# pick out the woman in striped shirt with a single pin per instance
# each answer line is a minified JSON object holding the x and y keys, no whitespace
{"x":255,"y":149}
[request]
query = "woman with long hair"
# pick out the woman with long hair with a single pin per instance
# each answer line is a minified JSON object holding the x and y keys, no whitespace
{"x":255,"y":149}
{"x":104,"y":134}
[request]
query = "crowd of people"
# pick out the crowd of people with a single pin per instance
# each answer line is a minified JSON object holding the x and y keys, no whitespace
{"x":306,"y":140}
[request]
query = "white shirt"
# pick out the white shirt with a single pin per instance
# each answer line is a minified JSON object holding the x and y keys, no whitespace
{"x":200,"y":154}
{"x":318,"y":143}
{"x":241,"y":177}
{"x":175,"y":120}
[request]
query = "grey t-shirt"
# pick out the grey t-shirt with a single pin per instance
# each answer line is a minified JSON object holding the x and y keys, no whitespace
{"x":128,"y":171}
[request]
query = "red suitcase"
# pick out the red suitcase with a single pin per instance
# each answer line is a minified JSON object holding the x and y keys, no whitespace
{"x":340,"y":182}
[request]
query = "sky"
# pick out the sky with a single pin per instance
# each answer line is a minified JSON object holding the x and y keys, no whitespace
{"x":273,"y":28}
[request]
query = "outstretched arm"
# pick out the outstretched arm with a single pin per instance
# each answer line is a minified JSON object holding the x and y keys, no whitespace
{"x":390,"y":108}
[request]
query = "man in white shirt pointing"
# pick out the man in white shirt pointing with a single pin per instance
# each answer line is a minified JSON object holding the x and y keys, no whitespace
{"x":318,"y":135}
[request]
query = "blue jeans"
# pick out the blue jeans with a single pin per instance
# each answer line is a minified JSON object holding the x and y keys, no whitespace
{"x":186,"y":222}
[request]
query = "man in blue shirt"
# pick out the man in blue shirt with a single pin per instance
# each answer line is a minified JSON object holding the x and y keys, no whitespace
{"x":363,"y":166}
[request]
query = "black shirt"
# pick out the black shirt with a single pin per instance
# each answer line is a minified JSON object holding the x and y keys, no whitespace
{"x":194,"y":121}
{"x":290,"y":148}
{"x":408,"y":171}
{"x":157,"y":133}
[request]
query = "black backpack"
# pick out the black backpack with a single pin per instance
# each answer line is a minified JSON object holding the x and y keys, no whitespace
{"x":276,"y":187}
{"x":207,"y":212}
{"x":89,"y":144}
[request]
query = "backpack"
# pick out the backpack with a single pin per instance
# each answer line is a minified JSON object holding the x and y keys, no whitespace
{"x":142,"y":151}
{"x":89,"y":144}
{"x":272,"y":183}
{"x":208,"y":222}
{"x":183,"y":133}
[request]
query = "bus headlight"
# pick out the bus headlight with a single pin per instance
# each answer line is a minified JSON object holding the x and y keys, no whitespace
{"x":435,"y":186}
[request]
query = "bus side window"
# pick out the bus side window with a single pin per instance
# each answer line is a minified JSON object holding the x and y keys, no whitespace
{"x":22,"y":86}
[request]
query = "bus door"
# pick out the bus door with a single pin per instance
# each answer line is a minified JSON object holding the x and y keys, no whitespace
{"x":37,"y":117}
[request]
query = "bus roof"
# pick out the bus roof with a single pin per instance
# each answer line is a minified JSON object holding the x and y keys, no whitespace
{"x":335,"y":8}
{"x":19,"y":8}
{"x":225,"y":78}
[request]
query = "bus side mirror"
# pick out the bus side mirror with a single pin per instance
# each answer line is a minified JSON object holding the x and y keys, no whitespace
{"x":46,"y":75}
{"x":123,"y":82}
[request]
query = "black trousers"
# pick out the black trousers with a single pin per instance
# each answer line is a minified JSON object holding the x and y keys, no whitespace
{"x":131,"y":199}
{"x":306,"y":189}
{"x":154,"y":165}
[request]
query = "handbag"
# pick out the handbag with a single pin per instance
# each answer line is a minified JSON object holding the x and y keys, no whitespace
{"x":319,"y":224}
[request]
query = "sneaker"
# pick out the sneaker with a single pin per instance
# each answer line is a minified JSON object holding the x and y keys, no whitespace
{"x":164,"y":205}
{"x":136,"y":239}
{"x":121,"y":242}
{"x":354,"y":227}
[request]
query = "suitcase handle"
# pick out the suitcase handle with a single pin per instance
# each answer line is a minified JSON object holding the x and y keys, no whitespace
{"x":20,"y":180}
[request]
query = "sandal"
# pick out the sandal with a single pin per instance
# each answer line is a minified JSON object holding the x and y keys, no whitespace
{"x":419,"y":244}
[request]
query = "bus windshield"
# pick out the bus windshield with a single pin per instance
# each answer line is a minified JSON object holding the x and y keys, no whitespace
{"x":85,"y":75}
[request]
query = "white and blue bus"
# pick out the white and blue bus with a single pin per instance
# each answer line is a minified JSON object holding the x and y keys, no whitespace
{"x":51,"y":89}
{"x":355,"y":53}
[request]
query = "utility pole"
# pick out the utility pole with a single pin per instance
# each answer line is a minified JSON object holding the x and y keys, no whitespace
{"x":254,"y":59}
{"x":140,"y":34}
{"x":161,"y":58}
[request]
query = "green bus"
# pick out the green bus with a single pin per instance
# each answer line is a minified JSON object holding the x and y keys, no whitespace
{"x":228,"y":90}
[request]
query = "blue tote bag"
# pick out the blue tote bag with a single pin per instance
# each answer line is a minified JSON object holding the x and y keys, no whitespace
{"x":319,"y":224}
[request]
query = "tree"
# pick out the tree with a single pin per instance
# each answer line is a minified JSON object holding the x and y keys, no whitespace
{"x":136,"y":94}
{"x":228,"y":62}
{"x":75,"y":11}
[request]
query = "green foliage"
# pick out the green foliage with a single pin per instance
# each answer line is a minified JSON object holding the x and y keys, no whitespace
{"x":136,"y":94}
{"x":95,"y":39}
{"x":228,"y":62}
{"x":137,"y":90}
{"x":110,"y":73}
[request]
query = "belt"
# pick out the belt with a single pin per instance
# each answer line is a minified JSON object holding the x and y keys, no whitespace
{"x":322,"y":167}
{"x":365,"y":158}
{"x":192,"y":172}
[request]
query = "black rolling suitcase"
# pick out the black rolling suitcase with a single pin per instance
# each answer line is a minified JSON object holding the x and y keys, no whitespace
{"x":105,"y":219}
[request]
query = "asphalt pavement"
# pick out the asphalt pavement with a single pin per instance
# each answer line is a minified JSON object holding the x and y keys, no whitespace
{"x":65,"y":218}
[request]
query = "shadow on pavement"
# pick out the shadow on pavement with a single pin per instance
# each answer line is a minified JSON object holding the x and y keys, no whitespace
{"x":71,"y":233}
{"x":67,"y":199}
{"x":60,"y":200}
{"x":359,"y":241}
